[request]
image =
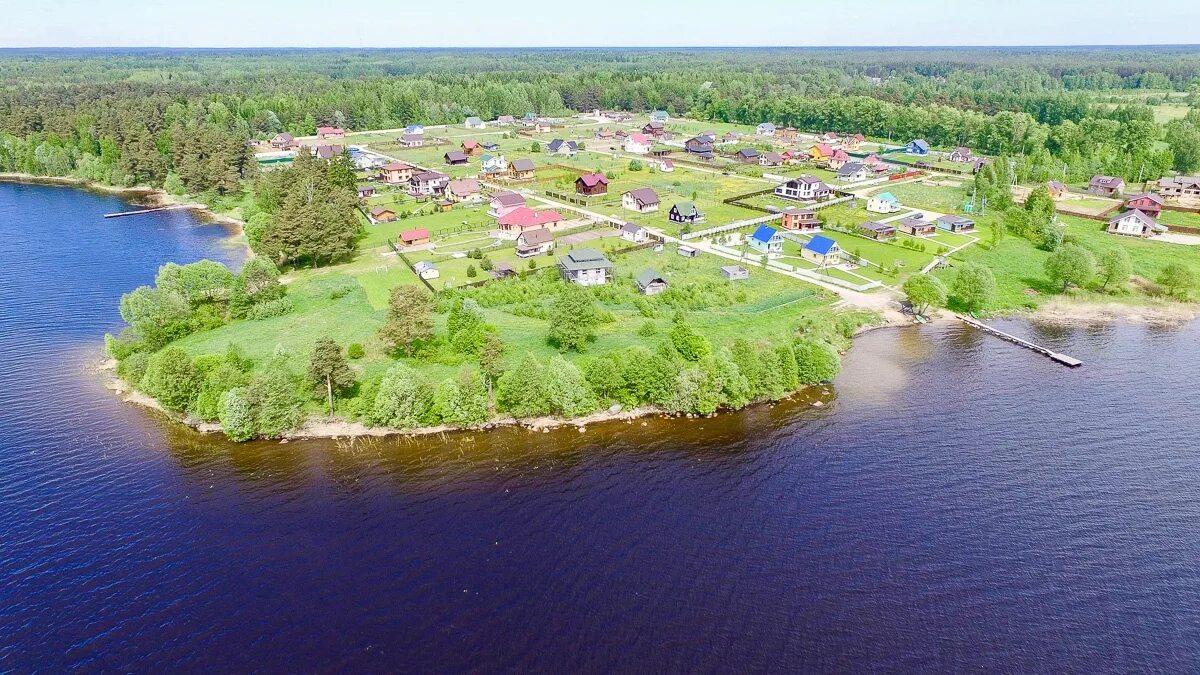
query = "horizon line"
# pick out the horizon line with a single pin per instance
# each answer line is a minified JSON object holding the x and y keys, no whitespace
{"x":585,"y":47}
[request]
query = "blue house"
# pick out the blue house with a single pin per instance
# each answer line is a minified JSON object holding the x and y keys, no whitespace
{"x":765,"y":129}
{"x":822,"y":250}
{"x":659,"y":116}
{"x":767,"y":239}
{"x":918,"y":147}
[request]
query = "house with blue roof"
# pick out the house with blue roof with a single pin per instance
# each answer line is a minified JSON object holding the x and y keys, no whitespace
{"x":660,"y":116}
{"x":885,"y":202}
{"x":918,"y":147}
{"x":414,"y":129}
{"x":822,"y":250}
{"x":765,"y":129}
{"x":766,"y":239}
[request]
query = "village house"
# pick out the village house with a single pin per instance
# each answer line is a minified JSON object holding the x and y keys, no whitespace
{"x":767,"y":240}
{"x":1056,"y":189}
{"x":541,"y":127}
{"x":655,"y":129}
{"x":586,"y":267}
{"x":821,"y":152}
{"x":800,"y":220}
{"x":660,"y":116}
{"x":765,"y":129}
{"x":1146,"y":202}
{"x":417,"y":237}
{"x":638,"y":144}
{"x":1185,"y":187}
{"x":490,"y":146}
{"x":685,"y":212}
{"x":414,"y":129}
{"x":853,"y":142}
{"x":917,"y":147}
{"x":885,"y":202}
{"x":283,"y":141}
{"x":915,"y":225}
{"x":523,"y":219}
{"x":961,"y":154}
{"x":591,"y":184}
{"x":560,"y":147}
{"x":506,"y":120}
{"x":534,"y":242}
{"x":877,"y":230}
{"x":633,"y":232}
{"x":770,"y":159}
{"x":425,"y":183}
{"x":490,"y":164}
{"x":396,"y":173}
{"x":665,"y":165}
{"x":839,"y":159}
{"x":474,"y":123}
{"x":365,"y":191}
{"x":426,"y":270}
{"x":731,"y":137}
{"x":787,"y":135}
{"x":1106,"y":186}
{"x":876,"y":165}
{"x":822,"y":250}
{"x":650,"y":282}
{"x":735,"y":272}
{"x":642,"y":200}
{"x":747,"y":156}
{"x":464,"y":190}
{"x":852,"y":172}
{"x":456,"y":158}
{"x":699,"y":147}
{"x":804,"y":188}
{"x":329,"y":151}
{"x":330,"y":133}
{"x":1135,"y":224}
{"x":504,"y":203}
{"x":382,"y":214}
{"x":956,"y":224}
{"x":411,"y":141}
{"x":521,"y":169}
{"x":471,"y":147}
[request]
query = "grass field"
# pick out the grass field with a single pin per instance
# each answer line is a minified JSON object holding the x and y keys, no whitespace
{"x":1183,"y":218}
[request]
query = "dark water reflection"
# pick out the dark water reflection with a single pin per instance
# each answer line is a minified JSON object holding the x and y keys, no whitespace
{"x":956,"y":504}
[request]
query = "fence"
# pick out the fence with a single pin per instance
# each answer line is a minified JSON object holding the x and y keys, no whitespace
{"x":736,"y":225}
{"x":408,"y":262}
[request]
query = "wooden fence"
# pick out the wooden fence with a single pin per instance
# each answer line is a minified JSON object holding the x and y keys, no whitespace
{"x":408,"y":262}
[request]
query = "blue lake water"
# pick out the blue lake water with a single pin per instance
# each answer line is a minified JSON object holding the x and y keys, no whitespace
{"x":956,"y":504}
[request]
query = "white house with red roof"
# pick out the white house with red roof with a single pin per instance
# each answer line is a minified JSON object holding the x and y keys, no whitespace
{"x":638,"y":144}
{"x":523,"y":218}
{"x":326,"y":133}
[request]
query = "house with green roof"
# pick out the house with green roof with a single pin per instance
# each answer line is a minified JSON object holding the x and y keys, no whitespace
{"x":685,"y":212}
{"x":650,"y":282}
{"x":884,"y":202}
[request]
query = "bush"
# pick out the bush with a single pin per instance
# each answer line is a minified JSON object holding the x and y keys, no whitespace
{"x":816,"y":361}
{"x":236,"y":415}
{"x":133,"y":368}
{"x":172,"y":379}
{"x":647,"y":329}
{"x":269,"y":309}
{"x":276,"y":396}
{"x":355,"y":351}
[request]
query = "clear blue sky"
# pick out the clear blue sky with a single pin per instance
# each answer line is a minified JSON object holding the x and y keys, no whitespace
{"x":535,"y":23}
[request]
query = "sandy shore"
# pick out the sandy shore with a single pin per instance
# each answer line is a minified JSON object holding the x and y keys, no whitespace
{"x":1066,"y":312}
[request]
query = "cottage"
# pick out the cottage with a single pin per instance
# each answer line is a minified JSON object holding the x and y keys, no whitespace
{"x":800,"y":220}
{"x":455,"y":158}
{"x":416,"y":129}
{"x":463,"y":190}
{"x":1185,"y":187}
{"x":821,"y":152}
{"x":1056,"y":189}
{"x":699,"y":147}
{"x":771,"y":160}
{"x":650,"y":282}
{"x":915,"y":224}
{"x":474,"y":123}
{"x":1135,"y":224}
{"x":961,"y":155}
{"x":534,"y":242}
{"x":660,"y":116}
{"x":822,"y":250}
{"x":885,"y":202}
{"x":852,"y":172}
{"x":685,"y":212}
{"x":560,"y":147}
{"x":425,"y":183}
{"x":804,"y":188}
{"x":417,"y":237}
{"x":541,"y":127}
{"x":411,"y":141}
{"x":765,"y":129}
{"x":283,"y":141}
{"x":521,"y":169}
{"x":504,"y":203}
{"x":641,"y":200}
{"x":426,"y":270}
{"x":638,"y":144}
{"x":747,"y":156}
{"x":591,"y":184}
{"x":917,"y":147}
{"x":830,"y":137}
{"x":471,"y":147}
{"x":1106,"y":186}
{"x":491,"y":164}
{"x":330,"y":133}
{"x":523,"y":219}
{"x":329,"y":151}
{"x":634,"y":233}
{"x":876,"y":165}
{"x":731,"y":137}
{"x":876,"y":230}
{"x":686,"y":251}
{"x":735,"y":272}
{"x":396,"y":173}
{"x":365,"y":191}
{"x":953,"y":223}
{"x":653,"y":128}
{"x":766,"y":239}
{"x":1146,"y":202}
{"x":586,"y":267}
{"x":506,"y":120}
{"x":382,"y":214}
{"x":787,"y":135}
{"x":666,"y":165}
{"x":606,"y":134}
{"x":853,"y":142}
{"x":839,"y":159}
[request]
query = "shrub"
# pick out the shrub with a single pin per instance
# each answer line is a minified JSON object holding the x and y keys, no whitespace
{"x":171,"y":378}
{"x":355,"y":351}
{"x":236,"y":415}
{"x":269,"y":309}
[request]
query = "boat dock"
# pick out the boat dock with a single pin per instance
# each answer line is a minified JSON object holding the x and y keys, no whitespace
{"x":1065,"y":360}
{"x":171,"y":207}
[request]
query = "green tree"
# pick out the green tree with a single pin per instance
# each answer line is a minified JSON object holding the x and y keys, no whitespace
{"x":403,"y":400}
{"x":1115,"y":268}
{"x":491,"y":360}
{"x":409,"y":319}
{"x":522,"y":391}
{"x":1178,"y":279}
{"x":816,"y":361}
{"x":975,"y":286}
{"x":691,"y":345}
{"x":573,"y":319}
{"x":171,"y":378}
{"x":328,"y":370}
{"x":924,"y":291}
{"x":1071,"y":264}
{"x":275,"y":395}
{"x":236,"y":415}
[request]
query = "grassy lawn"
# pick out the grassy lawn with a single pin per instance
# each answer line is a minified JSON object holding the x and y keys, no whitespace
{"x":1182,"y":218}
{"x":458,"y":219}
{"x":922,"y":194}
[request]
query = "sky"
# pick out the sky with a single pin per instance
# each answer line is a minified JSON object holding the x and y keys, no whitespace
{"x":556,"y":23}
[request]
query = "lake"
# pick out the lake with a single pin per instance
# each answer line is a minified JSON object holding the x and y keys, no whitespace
{"x":956,"y":503}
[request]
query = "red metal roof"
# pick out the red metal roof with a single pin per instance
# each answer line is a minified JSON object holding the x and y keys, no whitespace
{"x":523,"y":216}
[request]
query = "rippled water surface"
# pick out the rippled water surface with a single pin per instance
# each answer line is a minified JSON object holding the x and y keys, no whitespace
{"x":956,"y":503}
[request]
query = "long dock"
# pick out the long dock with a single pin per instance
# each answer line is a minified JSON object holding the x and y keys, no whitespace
{"x":1065,"y":360}
{"x":171,"y":207}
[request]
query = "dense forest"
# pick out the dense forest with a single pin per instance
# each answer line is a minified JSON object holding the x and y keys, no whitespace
{"x":181,"y":117}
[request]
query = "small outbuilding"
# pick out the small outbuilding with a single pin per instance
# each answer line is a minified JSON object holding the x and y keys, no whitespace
{"x":650,"y":282}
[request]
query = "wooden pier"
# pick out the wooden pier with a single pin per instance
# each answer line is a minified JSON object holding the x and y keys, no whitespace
{"x":1065,"y":360}
{"x":171,"y":207}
